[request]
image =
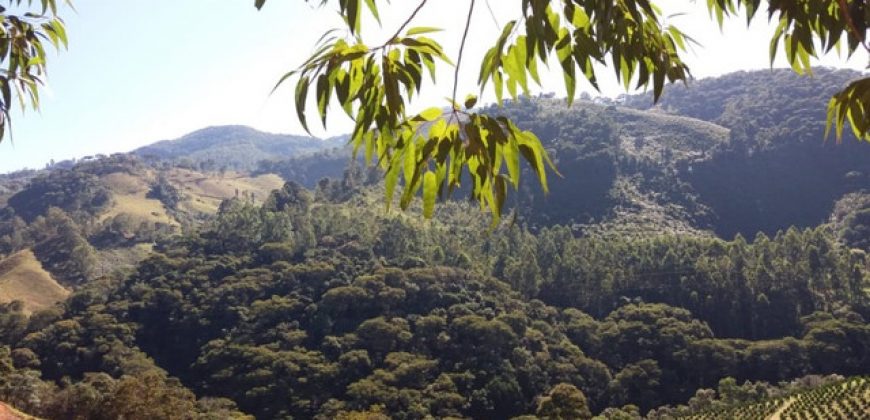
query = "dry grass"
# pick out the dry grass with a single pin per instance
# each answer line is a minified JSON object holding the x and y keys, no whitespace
{"x":206,"y":191}
{"x":7,"y":412}
{"x":129,"y":197}
{"x":124,"y":183}
{"x":141,"y":208}
{"x":203,"y":192}
{"x":223,"y":188}
{"x":23,"y":278}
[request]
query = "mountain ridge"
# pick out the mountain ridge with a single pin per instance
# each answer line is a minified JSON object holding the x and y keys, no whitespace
{"x":236,"y":147}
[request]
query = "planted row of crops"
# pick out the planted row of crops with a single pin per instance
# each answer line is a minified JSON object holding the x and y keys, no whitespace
{"x":847,"y":400}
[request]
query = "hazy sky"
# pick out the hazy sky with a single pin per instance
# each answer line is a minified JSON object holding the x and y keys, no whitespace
{"x":139,"y":71}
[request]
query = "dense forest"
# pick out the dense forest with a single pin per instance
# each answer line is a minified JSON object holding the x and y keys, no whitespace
{"x":641,"y":286}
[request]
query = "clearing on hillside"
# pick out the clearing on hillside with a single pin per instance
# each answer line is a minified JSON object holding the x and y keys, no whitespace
{"x":206,"y":192}
{"x":23,"y":278}
{"x":129,"y":196}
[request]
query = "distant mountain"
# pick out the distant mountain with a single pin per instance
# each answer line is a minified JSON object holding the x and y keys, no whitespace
{"x":232,"y":147}
{"x":741,"y":153}
{"x":777,"y":169}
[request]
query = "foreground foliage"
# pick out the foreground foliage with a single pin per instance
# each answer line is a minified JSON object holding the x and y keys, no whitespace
{"x":431,"y":152}
{"x":25,"y":32}
{"x":317,"y":304}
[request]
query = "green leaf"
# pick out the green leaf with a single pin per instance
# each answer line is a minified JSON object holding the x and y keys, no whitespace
{"x":390,"y":181}
{"x":470,"y":101}
{"x":374,"y":9}
{"x":512,"y":159}
{"x":410,"y":159}
{"x":422,"y":30}
{"x":430,"y":191}
{"x":430,"y":114}
{"x":500,"y":194}
{"x":353,"y":16}
{"x":301,"y":95}
{"x":499,"y":86}
{"x":323,"y":93}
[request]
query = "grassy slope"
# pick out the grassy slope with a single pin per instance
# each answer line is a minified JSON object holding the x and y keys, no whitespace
{"x":203,"y":191}
{"x":7,"y":412}
{"x":207,"y":190}
{"x":23,"y":278}
{"x":129,"y":196}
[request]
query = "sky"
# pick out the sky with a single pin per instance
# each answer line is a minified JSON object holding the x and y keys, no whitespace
{"x":140,"y":71}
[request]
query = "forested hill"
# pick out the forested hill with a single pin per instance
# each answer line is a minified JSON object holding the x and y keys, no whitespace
{"x":184,"y":291}
{"x":759,"y":101}
{"x":777,"y":169}
{"x":742,"y":153}
{"x":321,"y":306}
{"x":232,"y":147}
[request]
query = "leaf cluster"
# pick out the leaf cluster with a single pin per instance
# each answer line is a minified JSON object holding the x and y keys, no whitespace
{"x":22,"y":52}
{"x":375,"y":85}
{"x":806,"y":28}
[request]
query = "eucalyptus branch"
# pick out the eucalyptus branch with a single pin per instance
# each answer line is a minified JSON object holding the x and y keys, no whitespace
{"x":461,"y":49}
{"x":402,"y":28}
{"x":844,"y":10}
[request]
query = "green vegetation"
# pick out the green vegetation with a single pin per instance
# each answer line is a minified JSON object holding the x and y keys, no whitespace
{"x":833,"y":399}
{"x":76,"y":192}
{"x":735,"y":154}
{"x":204,"y":295}
{"x":25,"y":30}
{"x":430,"y":151}
{"x":313,"y":308}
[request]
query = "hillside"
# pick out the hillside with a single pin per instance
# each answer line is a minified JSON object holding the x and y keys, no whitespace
{"x":10,"y":413}
{"x":841,"y":400}
{"x":620,"y":167}
{"x":22,"y":278}
{"x":205,"y":191}
{"x":315,"y":307}
{"x":737,"y":154}
{"x":204,"y":292}
{"x":777,"y":155}
{"x":626,"y":172}
{"x":231,"y":147}
{"x":104,"y":215}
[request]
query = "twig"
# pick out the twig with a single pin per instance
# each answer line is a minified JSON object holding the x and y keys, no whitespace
{"x":461,"y":49}
{"x":492,"y":15}
{"x":402,"y":28}
{"x":844,"y":10}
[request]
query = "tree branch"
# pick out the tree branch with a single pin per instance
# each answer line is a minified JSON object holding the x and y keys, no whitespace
{"x":461,"y":49}
{"x":844,"y":10}
{"x":404,"y":25}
